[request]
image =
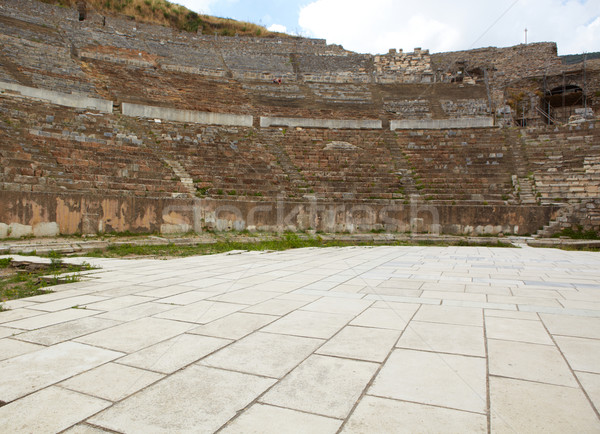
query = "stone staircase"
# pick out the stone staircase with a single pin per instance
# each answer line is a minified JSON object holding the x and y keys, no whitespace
{"x":402,"y":167}
{"x":556,"y":224}
{"x":524,"y":188}
{"x":184,"y":177}
{"x":296,"y":180}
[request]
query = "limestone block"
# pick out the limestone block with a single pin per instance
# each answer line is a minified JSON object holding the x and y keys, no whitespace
{"x":175,"y":229}
{"x":17,"y":230}
{"x":3,"y":230}
{"x":46,"y":229}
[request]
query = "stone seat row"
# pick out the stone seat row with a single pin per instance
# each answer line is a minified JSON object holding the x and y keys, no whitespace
{"x":249,"y":161}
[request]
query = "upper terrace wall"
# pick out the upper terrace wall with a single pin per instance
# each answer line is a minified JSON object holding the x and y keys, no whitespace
{"x":297,"y":60}
{"x":310,"y":60}
{"x":506,"y":64}
{"x":503,"y":65}
{"x":132,"y":62}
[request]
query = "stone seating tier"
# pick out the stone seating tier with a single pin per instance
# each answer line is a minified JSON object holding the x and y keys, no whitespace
{"x":74,"y":151}
{"x":564,"y":162}
{"x":52,"y":149}
{"x":472,"y":164}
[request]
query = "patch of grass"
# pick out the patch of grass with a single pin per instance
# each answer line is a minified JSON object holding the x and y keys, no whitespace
{"x":285,"y":242}
{"x":577,"y":234}
{"x":577,"y":248}
{"x":24,"y":279}
{"x":168,"y":14}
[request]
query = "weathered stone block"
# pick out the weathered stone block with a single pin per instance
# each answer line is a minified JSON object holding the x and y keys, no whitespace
{"x":17,"y":230}
{"x":46,"y":229}
{"x":175,"y":229}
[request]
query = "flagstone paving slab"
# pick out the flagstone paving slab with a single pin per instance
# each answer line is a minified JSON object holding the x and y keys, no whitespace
{"x":188,"y":297}
{"x":322,"y":385}
{"x":245,"y":296}
{"x":533,"y":362}
{"x":52,"y":318}
{"x":568,"y":325}
{"x":267,"y":419}
{"x":8,"y":332}
{"x":446,"y":380}
{"x":135,"y":335}
{"x":391,"y":416}
{"x":528,"y":407}
{"x":138,"y":311}
{"x":11,"y":348}
{"x":112,"y":381}
{"x":33,"y":371}
{"x":59,"y":293}
{"x":361,"y":343}
{"x":591,"y":384}
{"x":65,"y":303}
{"x":201,"y":312}
{"x":444,"y":338}
{"x":335,"y":305}
{"x":393,"y":319}
{"x":511,"y":314}
{"x":197,"y":399}
{"x":15,"y":304}
{"x":117,"y":302}
{"x":234,"y":326}
{"x":277,"y":306}
{"x":83,"y":428}
{"x":268,"y":354}
{"x":582,"y":354}
{"x":517,"y":330}
{"x":65,"y":331}
{"x":450,"y":315}
{"x":311,"y":324}
{"x":44,"y":411}
{"x":17,"y":314}
{"x":175,"y":353}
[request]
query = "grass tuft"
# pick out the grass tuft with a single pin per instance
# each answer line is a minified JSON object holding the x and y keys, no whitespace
{"x":20,"y":279}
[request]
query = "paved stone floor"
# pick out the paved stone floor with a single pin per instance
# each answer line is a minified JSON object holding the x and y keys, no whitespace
{"x":384,"y":339}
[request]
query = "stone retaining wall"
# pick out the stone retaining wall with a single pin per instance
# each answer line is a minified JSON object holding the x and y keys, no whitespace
{"x":23,"y":214}
{"x":344,"y":124}
{"x":440,"y":124}
{"x":177,"y":115}
{"x":60,"y":98}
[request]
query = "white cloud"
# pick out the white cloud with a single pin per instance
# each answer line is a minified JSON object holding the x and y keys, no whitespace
{"x":439,"y":25}
{"x":277,"y":28}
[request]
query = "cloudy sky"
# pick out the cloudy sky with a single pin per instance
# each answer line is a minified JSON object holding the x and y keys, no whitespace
{"x":374,"y":26}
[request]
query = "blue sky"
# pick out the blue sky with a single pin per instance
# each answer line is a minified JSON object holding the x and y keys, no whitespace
{"x":375,"y":26}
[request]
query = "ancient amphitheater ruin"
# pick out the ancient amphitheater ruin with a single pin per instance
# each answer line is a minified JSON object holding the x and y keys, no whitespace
{"x":108,"y":125}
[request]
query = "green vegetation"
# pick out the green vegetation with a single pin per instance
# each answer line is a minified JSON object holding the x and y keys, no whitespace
{"x":571,"y":59}
{"x":285,"y":242}
{"x":168,"y":14}
{"x":577,"y":234}
{"x":25,"y":279}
